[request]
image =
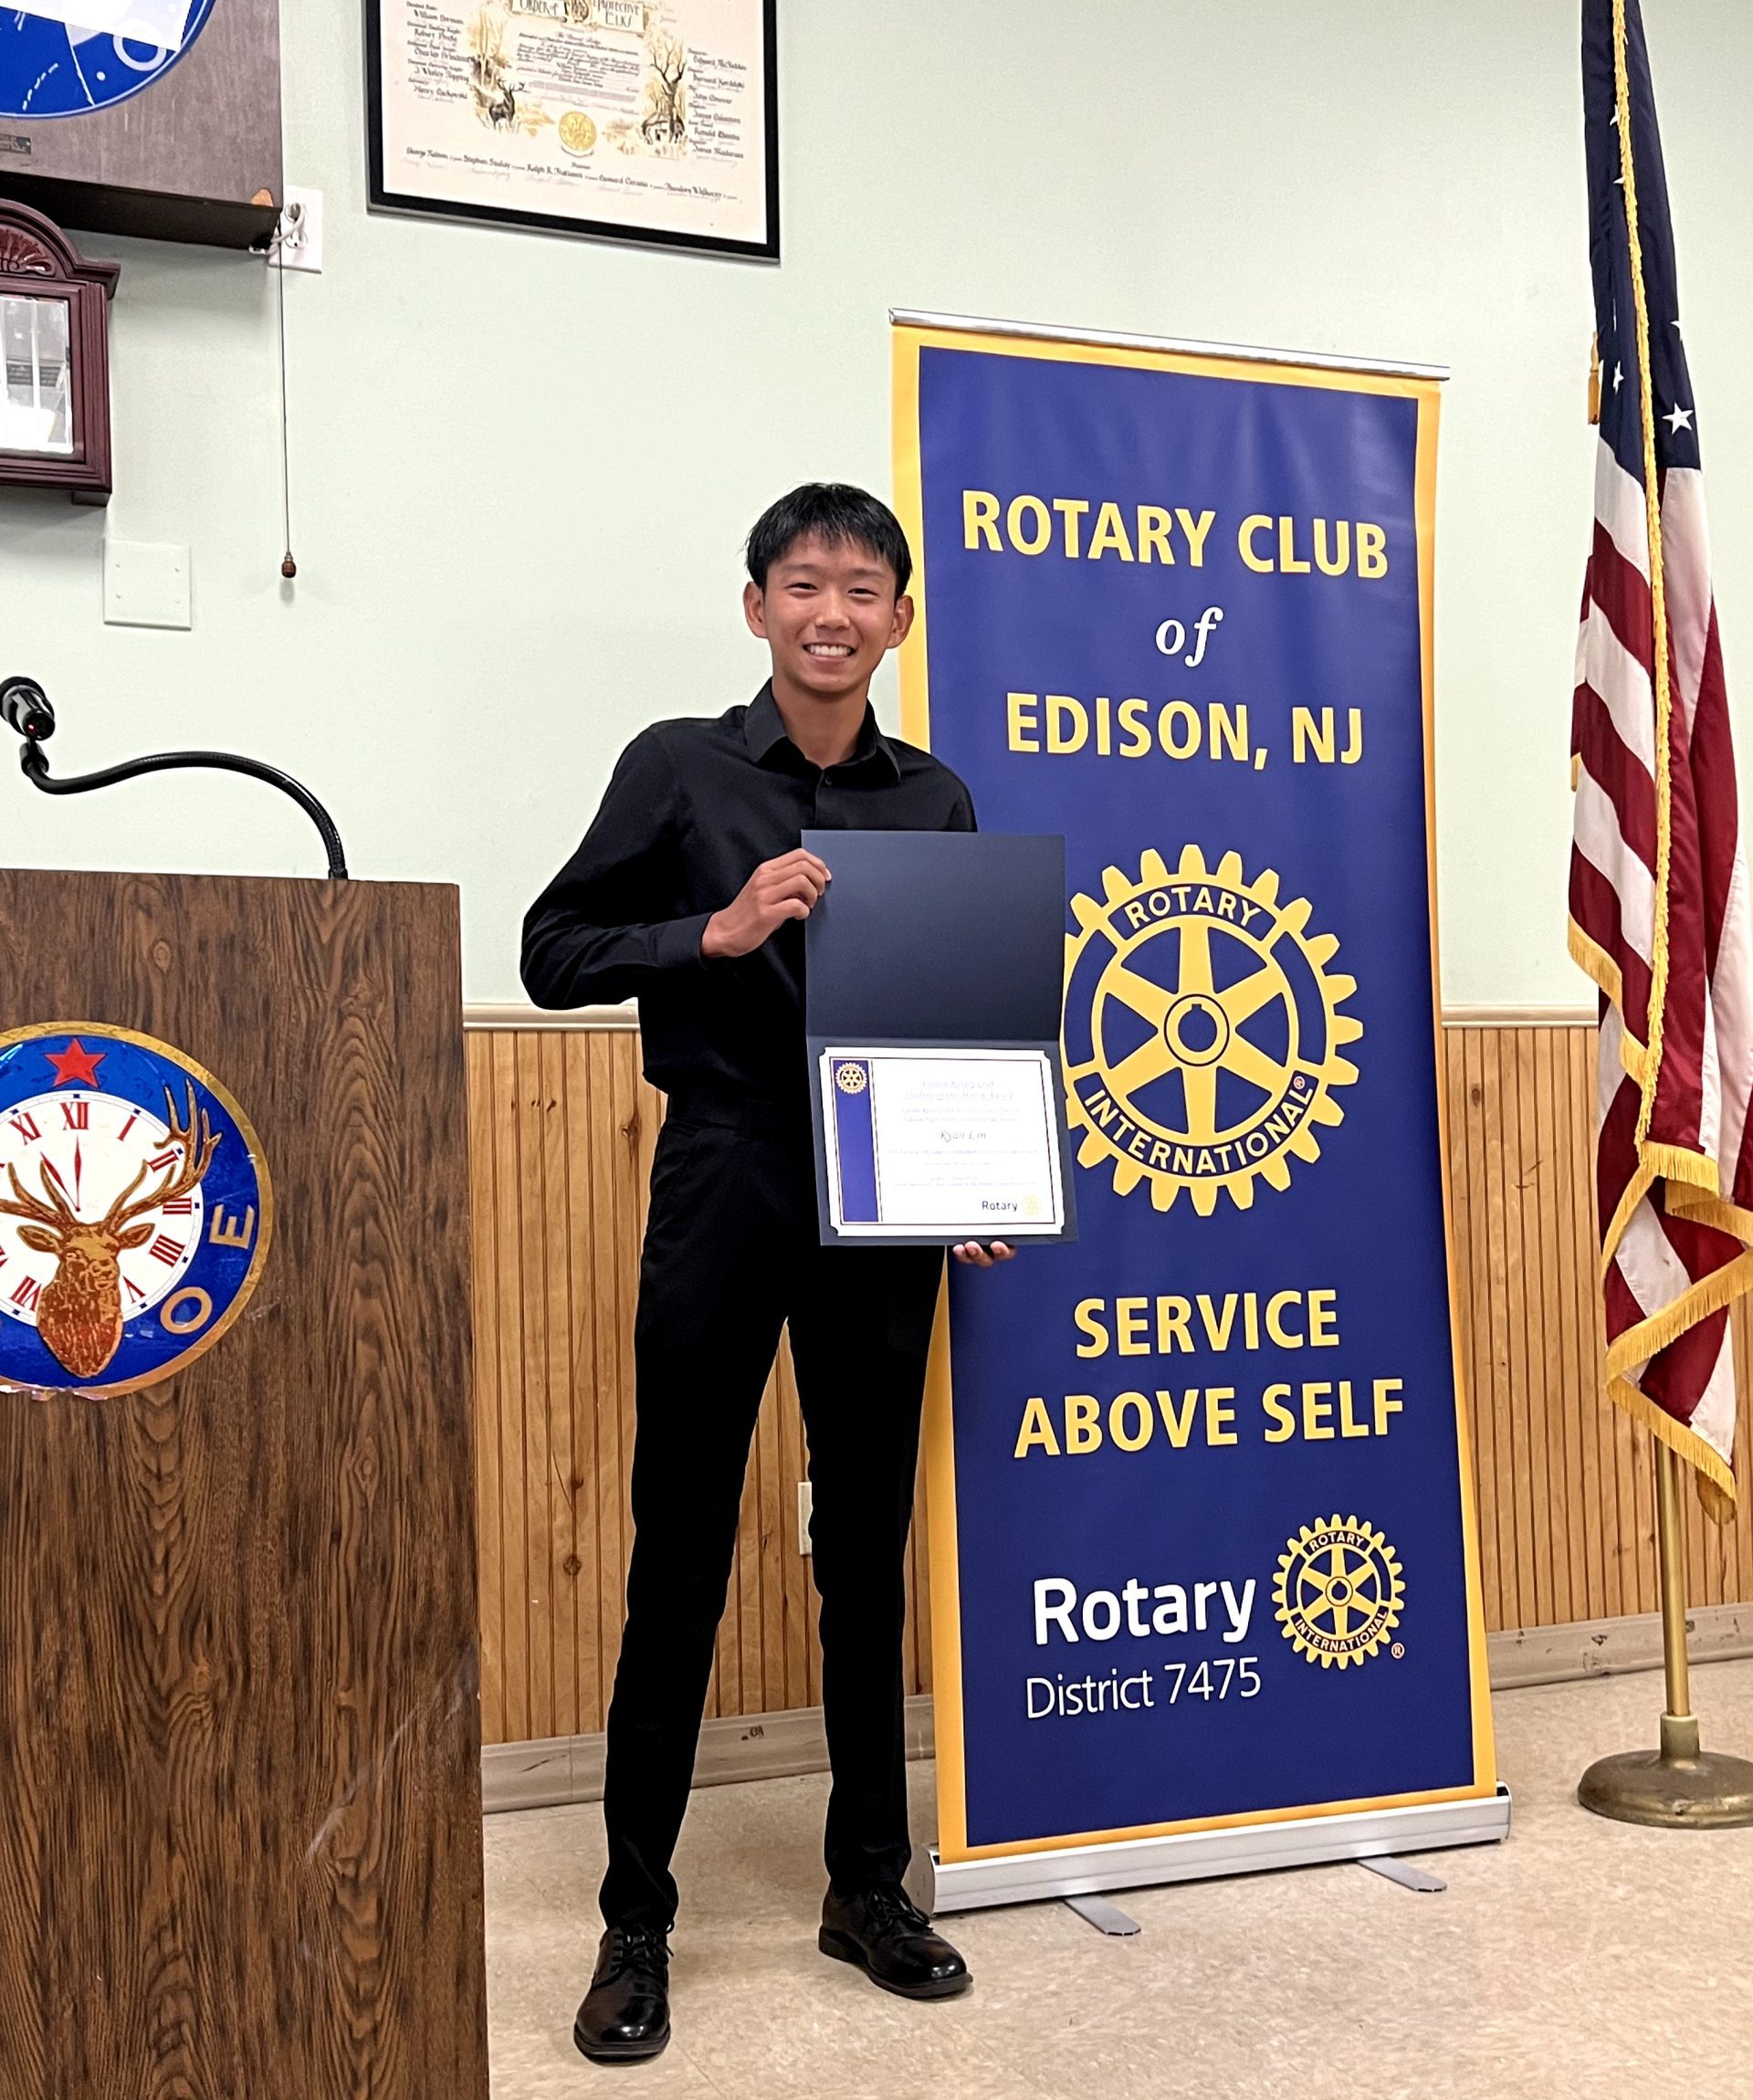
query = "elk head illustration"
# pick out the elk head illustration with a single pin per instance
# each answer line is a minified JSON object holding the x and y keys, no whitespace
{"x":79,"y":1314}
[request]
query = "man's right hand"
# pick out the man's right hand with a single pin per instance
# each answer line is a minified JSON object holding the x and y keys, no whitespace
{"x":788,"y":888}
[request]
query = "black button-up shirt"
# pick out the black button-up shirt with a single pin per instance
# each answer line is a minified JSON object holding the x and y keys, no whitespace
{"x":693,"y":809}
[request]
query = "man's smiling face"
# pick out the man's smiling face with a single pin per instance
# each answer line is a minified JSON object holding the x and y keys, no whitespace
{"x":829,"y":614}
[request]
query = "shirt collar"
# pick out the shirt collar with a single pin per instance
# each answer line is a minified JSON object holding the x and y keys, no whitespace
{"x":763,"y":728}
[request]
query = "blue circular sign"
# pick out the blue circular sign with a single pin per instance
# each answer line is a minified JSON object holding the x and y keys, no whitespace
{"x":135,"y":1209}
{"x":53,"y":67}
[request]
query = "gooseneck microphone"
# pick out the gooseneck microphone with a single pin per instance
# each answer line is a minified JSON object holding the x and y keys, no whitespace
{"x":25,"y":708}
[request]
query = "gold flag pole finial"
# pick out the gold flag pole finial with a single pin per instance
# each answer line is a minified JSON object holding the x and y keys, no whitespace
{"x":1679,"y":1786}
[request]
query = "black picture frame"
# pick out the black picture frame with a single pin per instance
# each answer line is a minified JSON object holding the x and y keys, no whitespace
{"x":381,"y":199}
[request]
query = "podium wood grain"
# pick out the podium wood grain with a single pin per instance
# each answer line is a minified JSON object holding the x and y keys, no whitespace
{"x":240,"y":1841}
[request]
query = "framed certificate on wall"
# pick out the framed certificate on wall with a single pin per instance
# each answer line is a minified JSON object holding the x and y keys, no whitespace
{"x":652,"y":121}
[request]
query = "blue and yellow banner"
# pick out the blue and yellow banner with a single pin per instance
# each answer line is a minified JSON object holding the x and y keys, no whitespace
{"x":1201,"y":1534}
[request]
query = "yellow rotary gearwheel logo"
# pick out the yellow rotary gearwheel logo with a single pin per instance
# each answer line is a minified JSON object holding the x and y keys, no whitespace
{"x":1339,"y":1591}
{"x":851,"y":1078}
{"x":1202,"y":1030}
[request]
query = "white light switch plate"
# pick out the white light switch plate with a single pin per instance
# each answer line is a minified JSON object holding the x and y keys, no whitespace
{"x":805,"y":1502}
{"x":146,"y":586}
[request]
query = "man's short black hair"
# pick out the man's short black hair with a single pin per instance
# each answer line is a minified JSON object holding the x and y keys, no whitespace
{"x":837,"y":513}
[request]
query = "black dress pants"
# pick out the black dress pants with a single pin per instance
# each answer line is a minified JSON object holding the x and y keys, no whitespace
{"x":732,"y":1255}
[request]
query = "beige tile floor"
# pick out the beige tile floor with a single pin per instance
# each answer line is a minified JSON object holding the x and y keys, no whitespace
{"x":1581,"y":1960}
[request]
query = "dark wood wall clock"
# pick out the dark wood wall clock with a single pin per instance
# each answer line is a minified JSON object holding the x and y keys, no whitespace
{"x":54,"y":358}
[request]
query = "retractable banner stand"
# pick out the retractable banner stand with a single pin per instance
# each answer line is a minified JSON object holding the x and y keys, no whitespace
{"x":1204,"y":1567}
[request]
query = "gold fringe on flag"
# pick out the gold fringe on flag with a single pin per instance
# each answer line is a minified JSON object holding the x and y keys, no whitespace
{"x":1692,"y":1178}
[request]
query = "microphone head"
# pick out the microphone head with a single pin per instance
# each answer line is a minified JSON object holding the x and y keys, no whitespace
{"x":23,"y":707}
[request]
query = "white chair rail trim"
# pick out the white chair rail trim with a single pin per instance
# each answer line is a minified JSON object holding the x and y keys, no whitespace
{"x":586,"y":1019}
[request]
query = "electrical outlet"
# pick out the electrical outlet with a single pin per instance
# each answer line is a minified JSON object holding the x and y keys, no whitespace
{"x":805,"y":1504}
{"x":298,"y":240}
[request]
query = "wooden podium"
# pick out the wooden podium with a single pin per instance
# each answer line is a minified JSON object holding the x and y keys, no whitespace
{"x":240,"y":1843}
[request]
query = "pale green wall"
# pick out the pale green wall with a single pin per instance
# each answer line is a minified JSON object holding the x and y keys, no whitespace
{"x":523,"y":465}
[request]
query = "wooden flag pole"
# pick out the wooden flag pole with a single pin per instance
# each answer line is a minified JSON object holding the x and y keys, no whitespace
{"x":1680,"y":1786}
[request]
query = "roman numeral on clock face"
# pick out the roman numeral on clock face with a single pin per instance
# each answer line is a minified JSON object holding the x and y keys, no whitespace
{"x":167,"y":1250}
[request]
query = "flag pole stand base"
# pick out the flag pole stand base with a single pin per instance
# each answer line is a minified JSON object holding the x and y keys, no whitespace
{"x":1678,"y":1787}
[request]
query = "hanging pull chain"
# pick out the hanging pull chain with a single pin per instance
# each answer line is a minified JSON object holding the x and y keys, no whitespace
{"x":289,"y":567}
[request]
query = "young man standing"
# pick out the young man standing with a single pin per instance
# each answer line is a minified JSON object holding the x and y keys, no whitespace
{"x":689,"y":893}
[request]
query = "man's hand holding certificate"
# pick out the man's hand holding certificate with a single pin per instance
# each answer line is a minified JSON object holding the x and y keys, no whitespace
{"x":934,"y":968}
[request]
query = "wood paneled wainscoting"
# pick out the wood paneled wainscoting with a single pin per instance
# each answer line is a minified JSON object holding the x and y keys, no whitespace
{"x":560,"y":1134}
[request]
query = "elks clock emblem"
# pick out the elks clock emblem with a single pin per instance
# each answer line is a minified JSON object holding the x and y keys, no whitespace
{"x":135,"y":1209}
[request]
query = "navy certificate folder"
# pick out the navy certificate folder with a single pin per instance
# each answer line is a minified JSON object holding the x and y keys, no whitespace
{"x":937,"y":940}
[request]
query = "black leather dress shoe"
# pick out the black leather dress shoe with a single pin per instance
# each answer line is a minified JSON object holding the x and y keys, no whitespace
{"x":626,"y":2014}
{"x":881,"y":1932}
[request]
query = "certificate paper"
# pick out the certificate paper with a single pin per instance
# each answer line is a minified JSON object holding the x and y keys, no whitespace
{"x":646,"y":119}
{"x":960,"y":1142}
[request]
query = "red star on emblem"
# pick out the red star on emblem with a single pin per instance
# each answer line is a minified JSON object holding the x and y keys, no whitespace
{"x":76,"y":1065}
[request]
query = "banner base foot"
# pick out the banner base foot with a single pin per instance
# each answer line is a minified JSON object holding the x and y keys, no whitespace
{"x":1405,"y":1874}
{"x":941,"y":1888}
{"x":1104,"y":1917}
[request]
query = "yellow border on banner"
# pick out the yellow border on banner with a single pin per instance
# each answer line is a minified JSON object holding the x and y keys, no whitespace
{"x":907,"y":341}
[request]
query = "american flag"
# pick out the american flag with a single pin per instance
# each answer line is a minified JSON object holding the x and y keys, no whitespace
{"x":1659,"y":908}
